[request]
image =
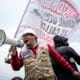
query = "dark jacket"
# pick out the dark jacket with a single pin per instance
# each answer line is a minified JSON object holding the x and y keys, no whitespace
{"x":62,"y":46}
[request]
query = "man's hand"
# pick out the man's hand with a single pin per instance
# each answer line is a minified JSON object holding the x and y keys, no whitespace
{"x":13,"y":50}
{"x":76,"y":74}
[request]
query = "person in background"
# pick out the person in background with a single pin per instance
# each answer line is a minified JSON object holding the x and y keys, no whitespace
{"x":62,"y":46}
{"x":35,"y":57}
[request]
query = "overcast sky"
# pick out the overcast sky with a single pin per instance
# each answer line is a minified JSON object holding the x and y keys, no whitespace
{"x":11,"y":12}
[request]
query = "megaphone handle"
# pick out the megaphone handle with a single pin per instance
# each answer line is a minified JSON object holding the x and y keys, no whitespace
{"x":9,"y":54}
{"x":8,"y":58}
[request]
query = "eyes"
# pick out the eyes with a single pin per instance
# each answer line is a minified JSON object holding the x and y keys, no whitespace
{"x":25,"y":41}
{"x":28,"y":39}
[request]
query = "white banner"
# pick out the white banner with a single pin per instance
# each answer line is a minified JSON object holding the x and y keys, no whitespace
{"x":48,"y":18}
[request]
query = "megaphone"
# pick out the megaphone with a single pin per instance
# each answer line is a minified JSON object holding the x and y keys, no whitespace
{"x":6,"y":40}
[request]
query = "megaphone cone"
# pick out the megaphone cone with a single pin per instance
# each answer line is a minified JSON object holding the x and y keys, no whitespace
{"x":6,"y":40}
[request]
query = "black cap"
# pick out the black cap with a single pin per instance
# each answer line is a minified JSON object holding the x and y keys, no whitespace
{"x":58,"y":38}
{"x":60,"y":41}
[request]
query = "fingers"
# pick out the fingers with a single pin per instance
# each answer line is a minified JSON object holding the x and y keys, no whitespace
{"x":13,"y":49}
{"x":76,"y":74}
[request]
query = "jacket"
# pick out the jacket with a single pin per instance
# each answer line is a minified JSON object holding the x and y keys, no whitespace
{"x":62,"y":46}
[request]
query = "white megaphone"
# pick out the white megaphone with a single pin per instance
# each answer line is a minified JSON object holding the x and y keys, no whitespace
{"x":13,"y":42}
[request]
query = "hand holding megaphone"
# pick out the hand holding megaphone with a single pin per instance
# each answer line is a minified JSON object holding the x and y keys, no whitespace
{"x":13,"y":50}
{"x":6,"y":40}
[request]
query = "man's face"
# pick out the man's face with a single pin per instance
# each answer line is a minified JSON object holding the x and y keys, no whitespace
{"x":29,"y":40}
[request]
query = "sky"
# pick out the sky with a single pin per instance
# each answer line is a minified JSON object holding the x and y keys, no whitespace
{"x":11,"y":12}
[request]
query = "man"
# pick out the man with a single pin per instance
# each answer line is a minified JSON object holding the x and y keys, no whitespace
{"x":36,"y":59}
{"x":62,"y":46}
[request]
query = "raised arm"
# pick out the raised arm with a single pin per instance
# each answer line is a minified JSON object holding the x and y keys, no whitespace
{"x":16,"y":61}
{"x":60,"y":60}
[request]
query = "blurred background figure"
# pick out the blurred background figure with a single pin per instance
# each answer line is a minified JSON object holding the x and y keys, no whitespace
{"x":62,"y":46}
{"x":16,"y":78}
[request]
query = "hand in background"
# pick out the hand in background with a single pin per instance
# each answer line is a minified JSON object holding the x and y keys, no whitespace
{"x":76,"y":74}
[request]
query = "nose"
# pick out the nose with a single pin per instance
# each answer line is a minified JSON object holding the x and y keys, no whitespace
{"x":27,"y":42}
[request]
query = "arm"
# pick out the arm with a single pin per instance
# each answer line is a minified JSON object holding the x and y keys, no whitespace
{"x":59,"y":59}
{"x":16,"y":61}
{"x":62,"y":61}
